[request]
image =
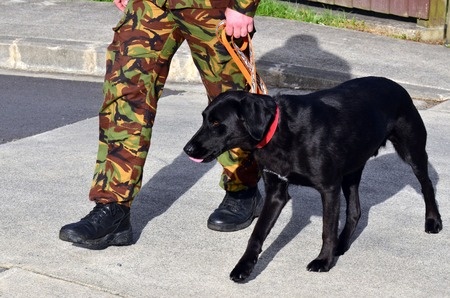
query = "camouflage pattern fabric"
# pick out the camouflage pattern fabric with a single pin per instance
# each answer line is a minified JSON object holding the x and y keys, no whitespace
{"x":138,"y":60}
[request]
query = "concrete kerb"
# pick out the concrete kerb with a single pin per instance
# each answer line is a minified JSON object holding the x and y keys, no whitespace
{"x":47,"y":55}
{"x":73,"y":57}
{"x":81,"y":58}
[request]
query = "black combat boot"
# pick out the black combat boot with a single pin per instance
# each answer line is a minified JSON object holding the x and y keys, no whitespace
{"x":237,"y":210}
{"x":107,"y":224}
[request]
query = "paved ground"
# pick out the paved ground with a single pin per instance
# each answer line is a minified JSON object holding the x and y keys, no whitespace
{"x":45,"y":179}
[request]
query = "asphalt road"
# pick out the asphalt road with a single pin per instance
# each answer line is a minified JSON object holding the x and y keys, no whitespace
{"x":30,"y":105}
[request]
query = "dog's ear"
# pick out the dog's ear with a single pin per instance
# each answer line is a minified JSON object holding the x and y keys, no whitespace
{"x":257,"y":112}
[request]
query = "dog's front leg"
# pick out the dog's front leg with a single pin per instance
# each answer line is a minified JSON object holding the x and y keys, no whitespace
{"x":276,"y":198}
{"x":330,"y":204}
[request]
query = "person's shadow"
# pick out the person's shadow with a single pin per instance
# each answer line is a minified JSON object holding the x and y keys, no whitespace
{"x":302,"y":54}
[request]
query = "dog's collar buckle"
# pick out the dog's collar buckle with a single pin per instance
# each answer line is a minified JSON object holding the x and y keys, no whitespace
{"x":272,"y":129}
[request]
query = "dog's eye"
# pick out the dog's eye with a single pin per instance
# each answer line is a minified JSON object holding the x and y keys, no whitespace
{"x":215,"y":123}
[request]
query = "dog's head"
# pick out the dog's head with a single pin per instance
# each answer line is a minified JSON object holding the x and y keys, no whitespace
{"x":234,"y":119}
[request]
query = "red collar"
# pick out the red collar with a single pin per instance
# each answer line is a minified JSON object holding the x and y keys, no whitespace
{"x":271,"y":131}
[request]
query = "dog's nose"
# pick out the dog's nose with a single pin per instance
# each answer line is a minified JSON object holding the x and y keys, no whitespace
{"x":188,"y":149}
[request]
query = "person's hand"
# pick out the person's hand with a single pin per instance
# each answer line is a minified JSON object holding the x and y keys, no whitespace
{"x":121,"y":4}
{"x":238,"y":24}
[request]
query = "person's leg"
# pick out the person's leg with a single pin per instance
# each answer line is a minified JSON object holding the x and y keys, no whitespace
{"x":219,"y":73}
{"x":137,"y":65}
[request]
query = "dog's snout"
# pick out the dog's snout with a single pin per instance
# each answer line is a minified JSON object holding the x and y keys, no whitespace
{"x":190,"y":150}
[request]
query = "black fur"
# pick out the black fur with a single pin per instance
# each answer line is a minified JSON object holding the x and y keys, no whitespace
{"x":323,"y":140}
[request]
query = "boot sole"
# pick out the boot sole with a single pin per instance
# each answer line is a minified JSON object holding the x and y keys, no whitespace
{"x":113,"y":239}
{"x":231,"y":228}
{"x":237,"y":227}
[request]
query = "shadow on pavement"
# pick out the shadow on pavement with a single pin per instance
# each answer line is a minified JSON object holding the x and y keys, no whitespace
{"x":169,"y":184}
{"x":303,"y":54}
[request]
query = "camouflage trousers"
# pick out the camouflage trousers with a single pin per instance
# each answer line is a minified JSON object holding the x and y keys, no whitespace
{"x":137,"y":65}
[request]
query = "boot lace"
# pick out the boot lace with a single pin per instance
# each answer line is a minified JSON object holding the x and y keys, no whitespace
{"x":231,"y":204}
{"x":97,"y":214}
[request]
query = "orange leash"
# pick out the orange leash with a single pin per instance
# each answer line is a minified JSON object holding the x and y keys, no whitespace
{"x":246,"y":64}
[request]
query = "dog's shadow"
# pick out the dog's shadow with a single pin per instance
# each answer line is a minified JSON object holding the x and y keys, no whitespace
{"x":382,"y":179}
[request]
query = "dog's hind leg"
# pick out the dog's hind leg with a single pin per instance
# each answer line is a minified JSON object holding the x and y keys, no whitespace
{"x":350,"y":188}
{"x":276,"y":198}
{"x":409,"y":141}
{"x":330,"y":203}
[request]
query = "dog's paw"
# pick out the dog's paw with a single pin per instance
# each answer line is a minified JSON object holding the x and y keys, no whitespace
{"x":242,"y":271}
{"x":433,"y":226}
{"x":319,"y":266}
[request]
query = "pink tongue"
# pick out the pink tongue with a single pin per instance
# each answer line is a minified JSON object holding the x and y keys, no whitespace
{"x":196,"y":159}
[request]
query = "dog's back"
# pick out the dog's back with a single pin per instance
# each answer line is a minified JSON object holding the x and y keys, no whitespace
{"x":358,"y":97}
{"x":353,"y":119}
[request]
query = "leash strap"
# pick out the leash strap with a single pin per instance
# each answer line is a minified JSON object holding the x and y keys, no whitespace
{"x":246,"y":64}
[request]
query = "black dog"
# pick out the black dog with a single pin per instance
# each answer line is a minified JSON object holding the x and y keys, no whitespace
{"x":322,"y":140}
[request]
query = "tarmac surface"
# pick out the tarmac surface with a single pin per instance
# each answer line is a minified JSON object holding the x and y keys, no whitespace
{"x":45,"y":178}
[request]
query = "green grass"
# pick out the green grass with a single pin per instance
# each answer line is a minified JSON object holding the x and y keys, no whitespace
{"x":292,"y":11}
{"x":286,"y":9}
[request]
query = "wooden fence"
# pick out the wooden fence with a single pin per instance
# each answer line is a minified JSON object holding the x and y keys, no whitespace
{"x":406,"y":8}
